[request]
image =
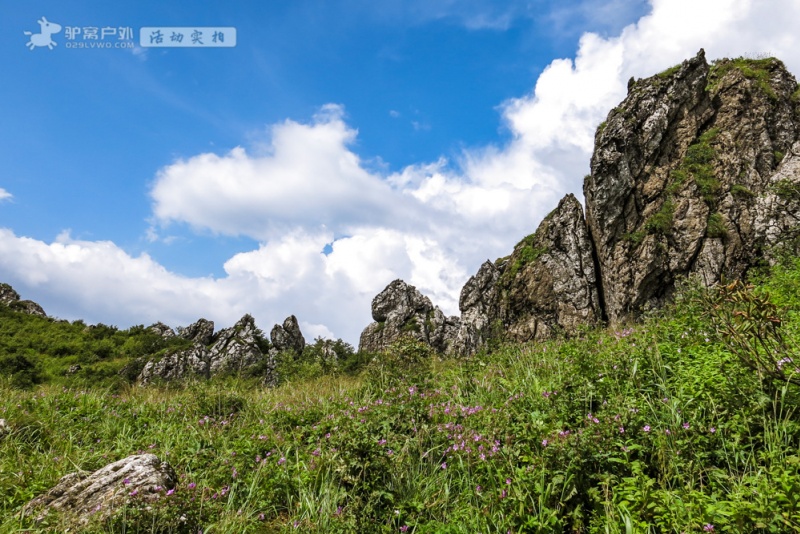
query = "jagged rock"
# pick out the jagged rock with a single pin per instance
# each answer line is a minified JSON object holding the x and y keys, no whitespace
{"x":85,"y":496}
{"x":549,"y":284}
{"x":165,"y":331}
{"x":401,"y":310}
{"x":288,"y":336}
{"x":233,"y":349}
{"x":479,"y":304}
{"x":7,"y":294}
{"x":201,"y":332}
{"x":5,"y":429}
{"x":178,"y":365}
{"x":682,"y":178}
{"x":73,"y":369}
{"x":10,"y":298}
{"x":778,"y":211}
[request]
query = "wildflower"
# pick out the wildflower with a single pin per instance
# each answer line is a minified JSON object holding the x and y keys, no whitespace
{"x":126,"y":481}
{"x":170,"y":492}
{"x":503,"y":494}
{"x":709,"y":527}
{"x":134,"y":493}
{"x":316,"y":452}
{"x":622,"y":430}
{"x":646,"y":428}
{"x":404,"y":528}
{"x":544,"y":443}
{"x":444,"y":465}
{"x":667,"y":432}
{"x":261,"y":517}
{"x":389,"y":452}
{"x":508,"y":481}
{"x":282,"y":461}
{"x":382,"y":442}
{"x":685,"y":426}
{"x":712,"y":429}
{"x":192,"y":485}
{"x":595,"y":420}
{"x":477,"y":489}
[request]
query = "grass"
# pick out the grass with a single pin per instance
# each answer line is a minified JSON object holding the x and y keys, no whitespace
{"x":758,"y":70}
{"x":656,"y":427}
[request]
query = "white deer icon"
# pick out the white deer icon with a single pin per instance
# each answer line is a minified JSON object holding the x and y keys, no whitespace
{"x":43,"y":38}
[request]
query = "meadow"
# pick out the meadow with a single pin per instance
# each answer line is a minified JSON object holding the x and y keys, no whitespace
{"x":686,"y":421}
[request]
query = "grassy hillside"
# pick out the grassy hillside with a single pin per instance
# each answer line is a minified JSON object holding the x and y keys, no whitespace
{"x":685,"y":423}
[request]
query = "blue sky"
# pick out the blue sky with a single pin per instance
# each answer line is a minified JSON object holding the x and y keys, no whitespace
{"x":338,"y":146}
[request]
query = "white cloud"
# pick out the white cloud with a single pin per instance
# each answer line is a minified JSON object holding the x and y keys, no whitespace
{"x":5,"y":195}
{"x":431,"y":224}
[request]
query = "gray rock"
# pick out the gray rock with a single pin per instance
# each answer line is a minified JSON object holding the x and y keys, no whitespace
{"x":10,"y":298}
{"x":5,"y":429}
{"x":83,"y":496}
{"x":165,"y":331}
{"x":479,"y":304}
{"x":7,"y":294}
{"x":201,"y":332}
{"x":288,"y":337}
{"x":401,"y":310}
{"x":234,"y":349}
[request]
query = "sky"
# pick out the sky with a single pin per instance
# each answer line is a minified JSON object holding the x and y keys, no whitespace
{"x":326,"y":149}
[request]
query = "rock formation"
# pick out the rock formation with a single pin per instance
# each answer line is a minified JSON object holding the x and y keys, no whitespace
{"x":232,"y":349}
{"x":86,"y":496}
{"x":288,"y":337}
{"x":683,"y":178}
{"x":10,"y":298}
{"x":401,"y":310}
{"x":695,"y":174}
{"x":5,"y":429}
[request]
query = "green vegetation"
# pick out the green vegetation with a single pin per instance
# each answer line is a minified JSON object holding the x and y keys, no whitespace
{"x":787,"y":189}
{"x":796,"y":94}
{"x":741,"y":191}
{"x":37,"y":349}
{"x":754,"y":69}
{"x":777,"y":157}
{"x":669,"y":72}
{"x":686,"y":422}
{"x":716,"y":226}
{"x":660,"y":223}
{"x":524,"y":253}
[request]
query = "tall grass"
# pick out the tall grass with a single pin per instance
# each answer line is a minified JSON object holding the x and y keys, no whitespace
{"x":658,"y":427}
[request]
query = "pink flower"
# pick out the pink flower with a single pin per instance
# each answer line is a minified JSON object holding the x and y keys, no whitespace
{"x":170,"y":492}
{"x":646,"y":428}
{"x":709,"y":527}
{"x":444,"y":465}
{"x":134,"y":493}
{"x":686,"y":426}
{"x":192,"y":485}
{"x":544,"y":443}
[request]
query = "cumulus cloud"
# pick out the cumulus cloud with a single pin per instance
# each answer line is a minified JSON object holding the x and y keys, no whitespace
{"x":305,"y":190}
{"x":5,"y":195}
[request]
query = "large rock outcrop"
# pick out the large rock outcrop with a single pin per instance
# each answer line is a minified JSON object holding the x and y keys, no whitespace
{"x":10,"y":298}
{"x":684,"y":178}
{"x":232,"y":349}
{"x":84,"y":496}
{"x":695,"y":174}
{"x":401,"y":310}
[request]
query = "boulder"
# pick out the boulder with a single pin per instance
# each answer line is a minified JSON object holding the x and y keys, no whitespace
{"x":401,"y":310}
{"x":5,"y":429}
{"x":7,"y":294}
{"x":84,"y":496}
{"x":288,"y":337}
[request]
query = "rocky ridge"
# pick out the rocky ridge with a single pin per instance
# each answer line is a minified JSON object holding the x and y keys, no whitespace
{"x":230,"y":350}
{"x":10,"y":298}
{"x":695,"y":174}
